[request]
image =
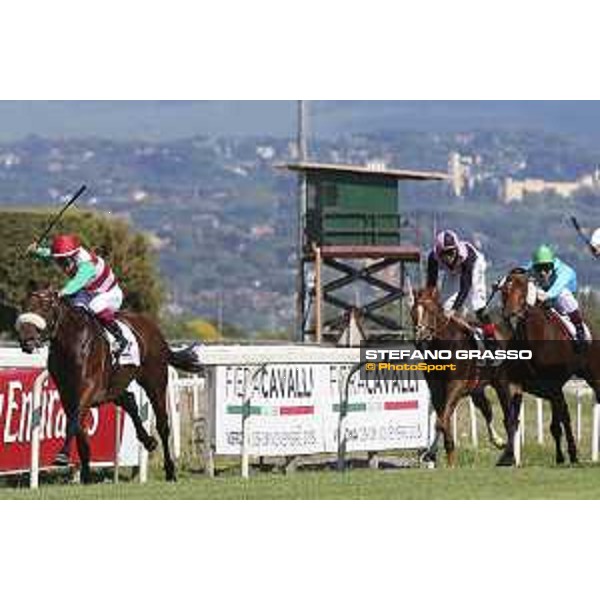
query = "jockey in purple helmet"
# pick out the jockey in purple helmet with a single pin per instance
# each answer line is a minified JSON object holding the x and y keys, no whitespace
{"x":464,"y":276}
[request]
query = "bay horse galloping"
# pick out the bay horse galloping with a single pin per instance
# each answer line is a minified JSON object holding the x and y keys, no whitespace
{"x":435,"y":331}
{"x":80,"y":363}
{"x":555,"y":359}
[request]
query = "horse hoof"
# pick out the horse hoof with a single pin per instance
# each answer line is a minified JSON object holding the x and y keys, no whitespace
{"x":151,"y":444}
{"x":61,"y":460}
{"x":506,"y":460}
{"x":560,"y":460}
{"x":429,"y":457}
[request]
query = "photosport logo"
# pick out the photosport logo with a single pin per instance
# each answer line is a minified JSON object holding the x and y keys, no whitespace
{"x":407,"y":361}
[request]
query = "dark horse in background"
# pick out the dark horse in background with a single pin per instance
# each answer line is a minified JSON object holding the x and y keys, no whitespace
{"x":435,"y":331}
{"x":80,"y":363}
{"x":554,"y":361}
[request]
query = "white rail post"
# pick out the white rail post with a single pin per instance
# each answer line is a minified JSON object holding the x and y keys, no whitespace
{"x":578,"y":396}
{"x":117,"y":444}
{"x":432,"y":424}
{"x":144,"y":410}
{"x":210,"y":408}
{"x":246,"y":413}
{"x":595,"y":430}
{"x":474,"y":432}
{"x":36,"y":418}
{"x":196,"y":398}
{"x":539,"y":404}
{"x":343,"y":391}
{"x":174,"y":411}
{"x":518,"y":438}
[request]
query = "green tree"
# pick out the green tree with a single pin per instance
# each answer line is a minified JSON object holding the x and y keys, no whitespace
{"x":128,"y":252}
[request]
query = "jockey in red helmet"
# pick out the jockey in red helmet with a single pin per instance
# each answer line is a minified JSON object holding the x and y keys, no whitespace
{"x":92,"y":283}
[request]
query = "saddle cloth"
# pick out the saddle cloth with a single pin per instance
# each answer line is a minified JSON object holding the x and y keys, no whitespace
{"x":567,"y":325}
{"x":131,"y":354}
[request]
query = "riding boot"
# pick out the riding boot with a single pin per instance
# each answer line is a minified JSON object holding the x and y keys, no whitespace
{"x":113,"y":328}
{"x":580,"y":337}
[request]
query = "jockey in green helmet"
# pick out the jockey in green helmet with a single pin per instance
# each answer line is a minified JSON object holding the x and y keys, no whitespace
{"x":557,"y":283}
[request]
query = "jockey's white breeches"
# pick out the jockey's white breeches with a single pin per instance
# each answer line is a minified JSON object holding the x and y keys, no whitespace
{"x":111,"y":300}
{"x":566,"y":303}
{"x":477,"y":296}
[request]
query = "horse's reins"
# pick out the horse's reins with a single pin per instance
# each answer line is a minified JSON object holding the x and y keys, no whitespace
{"x":435,"y":331}
{"x":50,"y":330}
{"x":520,"y":316}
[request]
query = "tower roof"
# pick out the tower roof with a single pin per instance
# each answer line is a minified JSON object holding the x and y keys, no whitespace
{"x":384,"y":174}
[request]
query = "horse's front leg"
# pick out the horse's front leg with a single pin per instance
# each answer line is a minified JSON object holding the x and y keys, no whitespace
{"x":437,"y":389}
{"x":568,"y":428}
{"x":62,"y":459}
{"x":83,"y":448}
{"x":456,"y":390}
{"x":511,"y":398}
{"x":91,"y":396}
{"x":481,"y":402}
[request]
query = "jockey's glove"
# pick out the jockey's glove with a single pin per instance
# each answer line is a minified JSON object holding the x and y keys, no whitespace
{"x":483,"y":317}
{"x":449,"y":313}
{"x":542,"y":296}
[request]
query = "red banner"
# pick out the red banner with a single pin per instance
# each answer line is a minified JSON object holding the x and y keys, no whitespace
{"x":16,"y":401}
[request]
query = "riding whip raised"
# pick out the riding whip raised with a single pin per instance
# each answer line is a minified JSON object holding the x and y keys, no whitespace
{"x":582,"y":235}
{"x":62,"y":211}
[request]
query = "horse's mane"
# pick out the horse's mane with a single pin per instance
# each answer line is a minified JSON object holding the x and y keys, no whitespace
{"x":82,"y":315}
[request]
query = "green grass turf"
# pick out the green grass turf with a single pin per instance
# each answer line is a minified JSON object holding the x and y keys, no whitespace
{"x":476,"y":478}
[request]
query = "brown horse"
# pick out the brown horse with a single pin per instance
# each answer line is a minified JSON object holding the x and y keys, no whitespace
{"x":435,"y":331}
{"x":555,"y":361}
{"x":80,"y":363}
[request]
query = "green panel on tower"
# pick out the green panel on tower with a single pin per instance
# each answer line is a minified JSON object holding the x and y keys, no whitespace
{"x":346,"y":209}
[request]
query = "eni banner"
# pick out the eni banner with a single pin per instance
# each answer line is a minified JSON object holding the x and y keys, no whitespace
{"x":294,"y":409}
{"x":16,"y":400}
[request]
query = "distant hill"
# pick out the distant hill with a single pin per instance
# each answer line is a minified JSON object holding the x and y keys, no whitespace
{"x":166,"y":120}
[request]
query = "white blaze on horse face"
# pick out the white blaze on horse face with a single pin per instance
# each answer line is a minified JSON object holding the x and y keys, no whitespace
{"x":531,"y":294}
{"x":419,"y":315}
{"x":31,"y":319}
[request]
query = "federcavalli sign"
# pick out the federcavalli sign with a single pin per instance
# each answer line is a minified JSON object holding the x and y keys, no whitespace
{"x":295,"y":408}
{"x":16,"y":415}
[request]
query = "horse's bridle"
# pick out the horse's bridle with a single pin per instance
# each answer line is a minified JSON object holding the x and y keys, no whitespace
{"x":52,"y":319}
{"x":515,"y":319}
{"x":425,"y":332}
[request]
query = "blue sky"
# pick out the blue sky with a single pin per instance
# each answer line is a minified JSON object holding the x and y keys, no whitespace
{"x":177,"y":119}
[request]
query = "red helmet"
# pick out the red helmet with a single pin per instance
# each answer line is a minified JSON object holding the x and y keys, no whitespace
{"x":65,"y":245}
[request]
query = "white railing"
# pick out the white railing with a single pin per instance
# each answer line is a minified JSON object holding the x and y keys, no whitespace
{"x":535,"y":428}
{"x":36,"y":421}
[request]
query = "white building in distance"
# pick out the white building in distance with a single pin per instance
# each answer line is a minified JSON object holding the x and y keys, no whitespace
{"x":516,"y":191}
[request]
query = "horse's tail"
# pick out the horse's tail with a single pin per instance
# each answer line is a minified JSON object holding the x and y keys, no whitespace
{"x":186,"y":360}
